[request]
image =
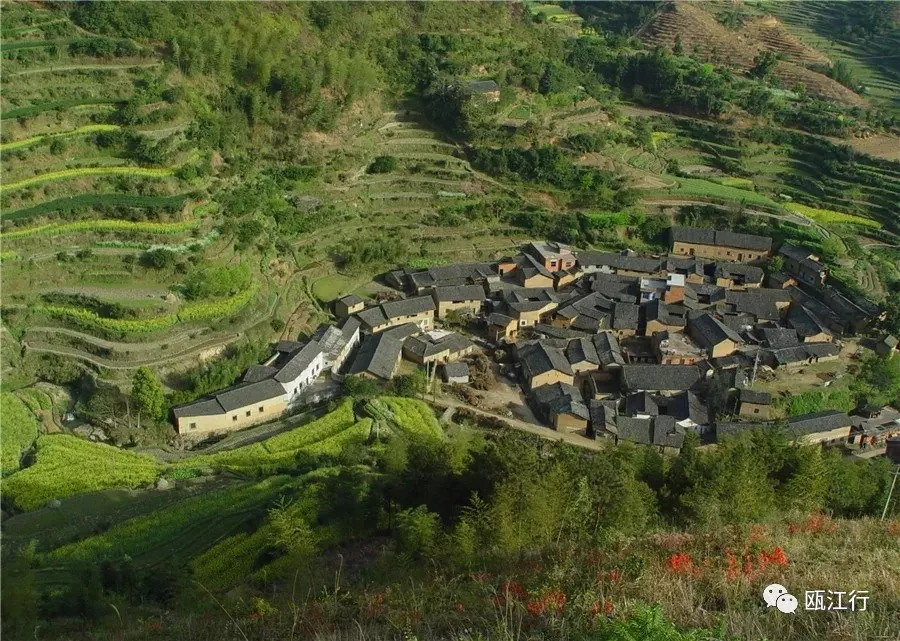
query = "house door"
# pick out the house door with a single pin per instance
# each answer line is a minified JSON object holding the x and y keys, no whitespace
{"x":740,"y":257}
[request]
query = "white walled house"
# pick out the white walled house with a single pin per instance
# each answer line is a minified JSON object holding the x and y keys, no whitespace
{"x":301,"y":370}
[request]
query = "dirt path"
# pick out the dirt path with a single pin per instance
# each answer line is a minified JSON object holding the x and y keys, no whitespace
{"x":60,"y":350}
{"x":115,"y":345}
{"x":139,"y":65}
{"x":523,"y":426}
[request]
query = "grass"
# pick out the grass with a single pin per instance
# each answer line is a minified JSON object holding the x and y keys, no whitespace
{"x":325,"y":435}
{"x":20,"y":428}
{"x":100,"y":226}
{"x":699,"y":188}
{"x":829,"y":216}
{"x":327,"y":288}
{"x":81,"y":131}
{"x":67,"y":465}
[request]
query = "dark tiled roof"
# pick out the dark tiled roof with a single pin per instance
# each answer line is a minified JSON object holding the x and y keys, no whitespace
{"x":552,"y":331}
{"x":540,"y":357}
{"x":802,"y":256}
{"x":818,"y":422}
{"x":659,"y":430}
{"x":379,"y":353}
{"x":455,"y":370}
{"x":750,"y":273}
{"x":408,"y":306}
{"x":687,"y":405}
{"x":779,"y":337}
{"x":641,"y":403}
{"x":249,"y":394}
{"x":349,"y":327}
{"x":736,"y":428}
{"x":298,"y":362}
{"x":758,"y":398}
{"x":624,"y":289}
{"x":350,"y":300}
{"x":561,"y":398}
{"x":625,"y":262}
{"x":669,"y":315}
{"x":625,"y":316}
{"x":659,"y":377}
{"x":804,"y":352}
{"x":372,"y":316}
{"x":762,"y":303}
{"x":425,"y":345}
{"x":459,"y":293}
{"x":608,"y":350}
{"x":286,"y":347}
{"x":202,"y":407}
{"x":805,"y":322}
{"x":500,"y":319}
{"x":709,"y":331}
{"x":452,"y":275}
{"x":256,"y":373}
{"x":483,"y":86}
{"x":703,"y":236}
{"x":582,"y":350}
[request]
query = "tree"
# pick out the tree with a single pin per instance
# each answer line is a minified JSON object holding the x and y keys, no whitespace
{"x":764,"y":64}
{"x":382,"y":165}
{"x":149,"y":394}
{"x":678,"y":49}
{"x":158,"y":258}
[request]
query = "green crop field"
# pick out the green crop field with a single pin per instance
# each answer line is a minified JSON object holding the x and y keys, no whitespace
{"x":20,"y":429}
{"x":80,"y":201}
{"x":85,"y":172}
{"x":81,"y":131}
{"x":67,"y":465}
{"x":102,"y":226}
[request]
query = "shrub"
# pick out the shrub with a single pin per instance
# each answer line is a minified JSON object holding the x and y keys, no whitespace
{"x":383,"y":165}
{"x":20,"y":428}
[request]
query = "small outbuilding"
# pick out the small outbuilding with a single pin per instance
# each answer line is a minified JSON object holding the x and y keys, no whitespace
{"x":887,"y":346}
{"x":456,"y":373}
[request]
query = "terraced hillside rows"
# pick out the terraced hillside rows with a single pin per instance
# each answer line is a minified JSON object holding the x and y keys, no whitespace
{"x":105,"y":209}
{"x":699,"y":31}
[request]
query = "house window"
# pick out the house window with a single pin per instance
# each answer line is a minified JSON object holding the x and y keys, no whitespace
{"x":260,"y":409}
{"x":193,"y":426}
{"x":234,"y":418}
{"x":756,"y":410}
{"x":248,"y":412}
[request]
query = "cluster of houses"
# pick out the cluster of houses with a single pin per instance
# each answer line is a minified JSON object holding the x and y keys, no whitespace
{"x":605,"y":344}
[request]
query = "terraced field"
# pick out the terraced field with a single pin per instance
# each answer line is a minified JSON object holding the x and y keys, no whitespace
{"x":99,"y":173}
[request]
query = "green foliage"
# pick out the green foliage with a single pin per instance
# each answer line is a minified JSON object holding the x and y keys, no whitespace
{"x":98,"y":201}
{"x":411,"y":417}
{"x":370,"y":252}
{"x":764,"y":64}
{"x":417,"y":532}
{"x":382,"y":165}
{"x":149,"y":394}
{"x":67,"y":465}
{"x":20,"y":429}
{"x":102,"y":226}
{"x":217,"y":281}
{"x":817,"y":401}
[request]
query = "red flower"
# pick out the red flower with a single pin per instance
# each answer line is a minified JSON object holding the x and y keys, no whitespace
{"x":459,"y":607}
{"x":608,"y":607}
{"x":153,"y":626}
{"x":681,"y":563}
{"x":615,"y":575}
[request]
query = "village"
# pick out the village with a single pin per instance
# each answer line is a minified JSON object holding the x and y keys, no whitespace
{"x":604,"y":346}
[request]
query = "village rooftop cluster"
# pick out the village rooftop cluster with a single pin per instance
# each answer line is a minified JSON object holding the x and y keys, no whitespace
{"x":606,"y":345}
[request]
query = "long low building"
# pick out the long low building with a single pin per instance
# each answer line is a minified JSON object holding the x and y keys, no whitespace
{"x":233,"y":408}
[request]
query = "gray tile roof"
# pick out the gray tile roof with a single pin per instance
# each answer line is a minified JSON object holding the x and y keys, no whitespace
{"x":757,"y":398}
{"x":687,"y":405}
{"x":703,"y":236}
{"x":298,"y":362}
{"x":455,"y":370}
{"x":483,"y":86}
{"x":805,"y":322}
{"x":379,"y":353}
{"x":659,"y":430}
{"x":256,"y":373}
{"x":452,"y":275}
{"x":286,"y":347}
{"x":804,"y":352}
{"x":540,"y":357}
{"x":761,"y":302}
{"x":426,"y":345}
{"x":818,"y":422}
{"x":625,"y":289}
{"x":249,"y":394}
{"x":641,"y":403}
{"x":202,"y":407}
{"x":669,"y":315}
{"x":653,"y":378}
{"x":779,"y":337}
{"x":608,"y":350}
{"x":582,"y":350}
{"x":459,"y":293}
{"x":350,"y":300}
{"x":408,"y":306}
{"x":621,"y":261}
{"x":561,"y":398}
{"x":625,"y":316}
{"x":709,"y":331}
{"x":739,"y":271}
